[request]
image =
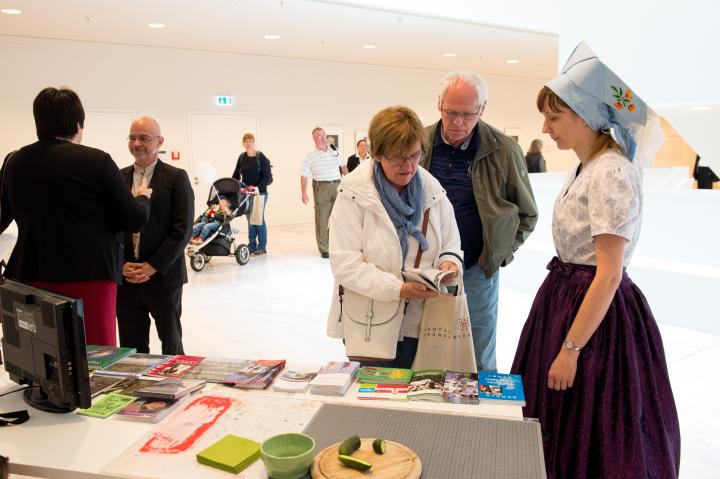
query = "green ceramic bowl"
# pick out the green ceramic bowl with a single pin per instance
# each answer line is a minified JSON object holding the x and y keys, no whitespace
{"x":288,"y":456}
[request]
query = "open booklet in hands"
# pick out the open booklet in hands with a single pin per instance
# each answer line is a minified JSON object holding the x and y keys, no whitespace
{"x":432,"y":278}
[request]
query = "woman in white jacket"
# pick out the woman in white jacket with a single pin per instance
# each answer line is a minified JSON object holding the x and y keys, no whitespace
{"x":375,"y":233}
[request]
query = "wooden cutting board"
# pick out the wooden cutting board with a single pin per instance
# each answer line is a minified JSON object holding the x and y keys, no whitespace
{"x":398,"y":462}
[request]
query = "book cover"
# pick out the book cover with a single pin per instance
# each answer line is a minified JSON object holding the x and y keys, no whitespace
{"x":170,"y":388}
{"x":387,"y":392}
{"x":343,"y":367}
{"x":107,"y":405}
{"x":427,"y":385}
{"x":149,"y":409}
{"x":214,"y":370}
{"x":503,"y":388}
{"x":257,"y":375}
{"x":135,"y":364}
{"x":128,"y":386}
{"x":461,"y":388}
{"x":100,"y":357}
{"x":175,"y":366}
{"x":231,"y":453}
{"x":377,"y":375}
{"x":296,"y":380}
{"x":99,"y":383}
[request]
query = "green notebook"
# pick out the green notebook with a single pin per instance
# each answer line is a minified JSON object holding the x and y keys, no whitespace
{"x":231,"y":453}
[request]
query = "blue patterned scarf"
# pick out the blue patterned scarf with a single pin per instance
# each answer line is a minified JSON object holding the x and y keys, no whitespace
{"x":404,"y":208}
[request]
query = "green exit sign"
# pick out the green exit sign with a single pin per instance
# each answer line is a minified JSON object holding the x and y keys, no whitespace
{"x":224,"y":100}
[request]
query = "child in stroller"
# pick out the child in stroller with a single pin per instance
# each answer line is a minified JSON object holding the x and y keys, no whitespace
{"x":210,"y":221}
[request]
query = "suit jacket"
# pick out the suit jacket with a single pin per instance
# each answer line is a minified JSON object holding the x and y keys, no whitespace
{"x":71,"y":206}
{"x":167,"y":231}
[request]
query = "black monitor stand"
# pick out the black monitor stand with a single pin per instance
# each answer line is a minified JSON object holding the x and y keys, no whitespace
{"x":35,"y":397}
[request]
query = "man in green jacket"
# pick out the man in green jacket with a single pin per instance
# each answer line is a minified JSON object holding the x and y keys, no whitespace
{"x":484,"y":174}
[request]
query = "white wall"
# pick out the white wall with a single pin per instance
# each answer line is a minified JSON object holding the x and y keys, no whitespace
{"x":290,"y":97}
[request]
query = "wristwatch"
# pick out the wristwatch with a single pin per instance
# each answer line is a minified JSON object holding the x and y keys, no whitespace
{"x":570,"y":344}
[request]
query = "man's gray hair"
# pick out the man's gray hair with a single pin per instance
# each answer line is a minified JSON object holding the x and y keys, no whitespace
{"x":453,"y":78}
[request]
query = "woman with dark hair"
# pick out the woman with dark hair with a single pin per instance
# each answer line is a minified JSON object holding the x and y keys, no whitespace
{"x":590,"y":353}
{"x":534,"y":159}
{"x":71,"y":206}
{"x":253,"y":169}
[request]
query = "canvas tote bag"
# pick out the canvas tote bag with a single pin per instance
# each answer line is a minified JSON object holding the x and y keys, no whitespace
{"x":258,"y":205}
{"x":445,"y":340}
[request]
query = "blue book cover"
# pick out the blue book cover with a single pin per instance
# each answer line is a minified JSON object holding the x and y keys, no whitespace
{"x":505,"y":388}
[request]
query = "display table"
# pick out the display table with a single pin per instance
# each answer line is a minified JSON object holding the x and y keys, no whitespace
{"x":73,"y":446}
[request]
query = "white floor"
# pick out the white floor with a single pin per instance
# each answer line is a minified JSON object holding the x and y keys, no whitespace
{"x":276,"y":307}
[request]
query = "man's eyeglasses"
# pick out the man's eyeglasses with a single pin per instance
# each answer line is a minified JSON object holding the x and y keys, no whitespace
{"x":465,"y":115}
{"x":142,"y":138}
{"x":400,"y":160}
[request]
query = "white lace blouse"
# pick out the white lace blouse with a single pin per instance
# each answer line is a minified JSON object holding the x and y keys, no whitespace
{"x":605,"y":198}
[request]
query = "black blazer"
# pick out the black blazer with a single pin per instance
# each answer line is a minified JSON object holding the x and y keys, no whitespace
{"x":167,"y":231}
{"x":71,"y":206}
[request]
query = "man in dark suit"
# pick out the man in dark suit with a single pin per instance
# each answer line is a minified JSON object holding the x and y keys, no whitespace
{"x":154,"y":267}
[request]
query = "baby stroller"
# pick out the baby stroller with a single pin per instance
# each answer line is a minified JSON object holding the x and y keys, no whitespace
{"x":221,"y":241}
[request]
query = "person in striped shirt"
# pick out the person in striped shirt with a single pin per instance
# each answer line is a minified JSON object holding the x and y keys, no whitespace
{"x":325,"y":166}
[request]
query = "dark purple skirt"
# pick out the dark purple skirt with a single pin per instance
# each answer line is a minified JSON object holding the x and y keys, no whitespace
{"x":619,"y":418}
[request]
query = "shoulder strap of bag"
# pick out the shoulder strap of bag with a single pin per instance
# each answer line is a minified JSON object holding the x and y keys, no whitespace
{"x":426,"y":219}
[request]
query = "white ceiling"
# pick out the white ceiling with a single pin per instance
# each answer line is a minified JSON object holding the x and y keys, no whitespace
{"x":311,"y":29}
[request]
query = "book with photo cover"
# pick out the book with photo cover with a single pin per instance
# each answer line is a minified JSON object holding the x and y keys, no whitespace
{"x":175,"y":366}
{"x":432,"y":278}
{"x":335,"y":378}
{"x":128,"y":386}
{"x":135,"y":364}
{"x":215,"y":370}
{"x":501,"y":388}
{"x":171,"y":388}
{"x":100,"y":383}
{"x":461,"y":388}
{"x":100,"y":357}
{"x":427,"y":385}
{"x":257,"y":375}
{"x":296,"y":380}
{"x":149,"y":409}
{"x":378,"y":375}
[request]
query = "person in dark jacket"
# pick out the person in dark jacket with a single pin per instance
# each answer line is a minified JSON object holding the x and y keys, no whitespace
{"x":253,"y":169}
{"x":154,"y":267}
{"x":534,"y":159}
{"x":71,"y":207}
{"x":361,"y":155}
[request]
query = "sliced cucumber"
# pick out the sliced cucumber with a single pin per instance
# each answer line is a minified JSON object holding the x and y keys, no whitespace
{"x":349,"y":446}
{"x":354,"y":462}
{"x":379,"y":446}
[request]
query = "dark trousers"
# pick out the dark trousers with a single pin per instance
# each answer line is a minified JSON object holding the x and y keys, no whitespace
{"x":136,"y":303}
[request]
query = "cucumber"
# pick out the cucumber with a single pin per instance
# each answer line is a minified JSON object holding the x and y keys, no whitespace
{"x":354,"y":463}
{"x":349,"y":446}
{"x":379,"y":446}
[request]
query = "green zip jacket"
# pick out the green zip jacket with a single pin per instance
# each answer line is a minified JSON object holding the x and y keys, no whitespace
{"x":503,"y":195}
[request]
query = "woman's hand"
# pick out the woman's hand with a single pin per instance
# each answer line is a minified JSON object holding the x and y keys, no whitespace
{"x":416,"y":291}
{"x":449,"y":266}
{"x":562,"y":371}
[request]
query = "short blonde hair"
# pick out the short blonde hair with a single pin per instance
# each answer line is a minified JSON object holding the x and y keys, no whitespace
{"x":248,"y":136}
{"x":394,"y":129}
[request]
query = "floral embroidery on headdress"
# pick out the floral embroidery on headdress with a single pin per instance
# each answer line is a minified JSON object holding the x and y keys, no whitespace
{"x":623,"y":99}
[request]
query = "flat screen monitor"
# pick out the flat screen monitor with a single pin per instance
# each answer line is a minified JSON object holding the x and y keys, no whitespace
{"x":44,"y":346}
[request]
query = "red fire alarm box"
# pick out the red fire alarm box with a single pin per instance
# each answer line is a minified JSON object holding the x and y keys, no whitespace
{"x":175,"y":155}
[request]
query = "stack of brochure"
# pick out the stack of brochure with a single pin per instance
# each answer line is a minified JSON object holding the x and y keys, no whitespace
{"x":461,"y":388}
{"x":296,"y":380}
{"x":335,"y":378}
{"x":376,"y":375}
{"x":256,"y":375}
{"x":149,"y":409}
